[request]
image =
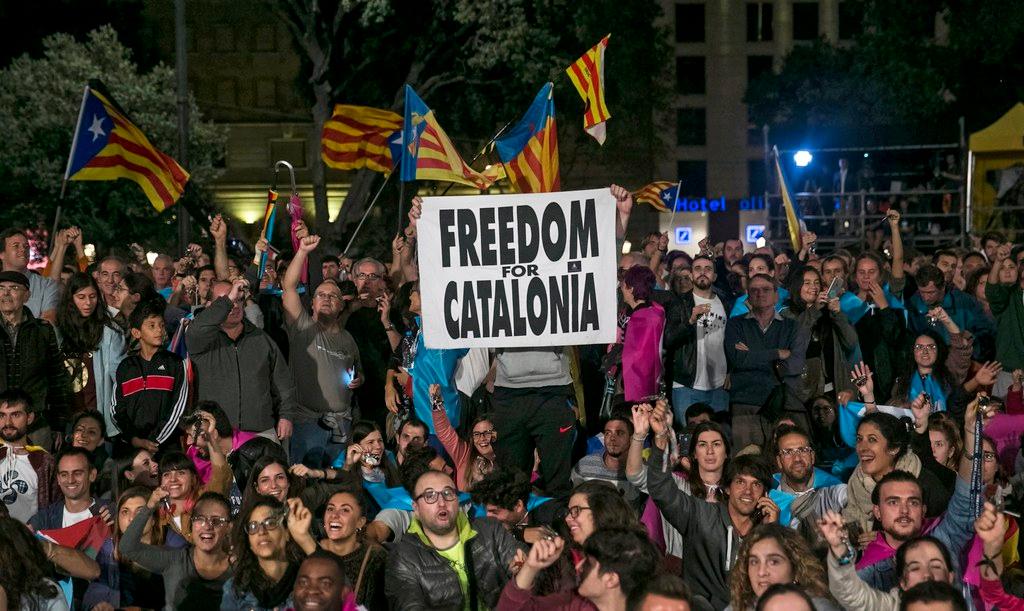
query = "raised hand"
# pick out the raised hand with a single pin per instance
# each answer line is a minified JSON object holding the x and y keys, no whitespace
{"x":988,"y":373}
{"x":218,"y":229}
{"x":309,"y":243}
{"x":642,"y":419}
{"x":861,"y":378}
{"x":544,"y":553}
{"x":623,"y":198}
{"x":991,"y":526}
{"x":299,"y":518}
{"x":834,"y":532}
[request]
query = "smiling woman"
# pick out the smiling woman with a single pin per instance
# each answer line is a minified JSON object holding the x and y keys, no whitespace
{"x":267,"y":558}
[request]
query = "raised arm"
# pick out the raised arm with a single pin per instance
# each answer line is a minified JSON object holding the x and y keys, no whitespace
{"x":290,"y":283}
{"x":153,"y":558}
{"x":624,"y":207}
{"x":219,"y":231}
{"x":897,"y":244}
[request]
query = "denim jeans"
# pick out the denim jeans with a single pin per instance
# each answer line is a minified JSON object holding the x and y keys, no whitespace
{"x":311,"y":445}
{"x":683,"y":397}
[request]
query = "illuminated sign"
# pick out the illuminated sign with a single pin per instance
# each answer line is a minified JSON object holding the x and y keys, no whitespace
{"x":684,"y":235}
{"x":720,"y":204}
{"x":753,"y":232}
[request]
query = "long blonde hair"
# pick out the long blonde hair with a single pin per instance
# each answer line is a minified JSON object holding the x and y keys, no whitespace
{"x":808,"y":571}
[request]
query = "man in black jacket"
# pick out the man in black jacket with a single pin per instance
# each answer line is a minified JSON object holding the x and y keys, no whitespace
{"x":446,"y":561}
{"x":30,"y":359}
{"x":697,"y":354}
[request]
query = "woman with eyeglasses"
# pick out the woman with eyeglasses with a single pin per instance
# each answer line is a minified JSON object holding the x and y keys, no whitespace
{"x":266,"y":558}
{"x":123,"y":583}
{"x":832,"y":337}
{"x":594,"y":505}
{"x":180,"y":482}
{"x":473,"y":459}
{"x":91,"y":345}
{"x":194,"y":575}
{"x":938,"y":371}
{"x":344,"y":523}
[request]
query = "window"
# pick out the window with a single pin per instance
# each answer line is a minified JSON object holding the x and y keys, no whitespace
{"x":224,"y":38}
{"x":266,"y":38}
{"x":758,"y":65}
{"x":291,"y":150}
{"x":691,"y":126}
{"x":759,"y":21}
{"x":694,"y":175}
{"x":689,"y":23}
{"x":266,"y":93}
{"x":227,"y":93}
{"x":756,"y":179}
{"x":851,"y":19}
{"x":690,"y":75}
{"x":805,"y":20}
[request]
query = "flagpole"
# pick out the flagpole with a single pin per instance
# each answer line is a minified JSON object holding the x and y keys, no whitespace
{"x":483,"y":151}
{"x":369,"y":208}
{"x":675,"y":205}
{"x":67,"y":169}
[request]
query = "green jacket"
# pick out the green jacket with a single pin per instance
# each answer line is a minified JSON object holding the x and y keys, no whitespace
{"x":1007,"y":304}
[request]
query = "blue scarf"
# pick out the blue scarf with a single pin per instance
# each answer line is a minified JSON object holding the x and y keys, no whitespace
{"x":855,"y":308}
{"x":931,"y":386}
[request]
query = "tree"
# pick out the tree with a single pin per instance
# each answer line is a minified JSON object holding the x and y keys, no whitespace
{"x":899,"y":80}
{"x":478,"y":63}
{"x":39,"y":103}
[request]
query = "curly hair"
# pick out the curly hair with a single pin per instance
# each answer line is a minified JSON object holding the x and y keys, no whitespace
{"x":808,"y":571}
{"x":23,"y":574}
{"x":502,"y":487}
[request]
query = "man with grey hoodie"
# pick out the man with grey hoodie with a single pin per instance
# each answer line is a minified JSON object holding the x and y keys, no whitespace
{"x":713,"y":530}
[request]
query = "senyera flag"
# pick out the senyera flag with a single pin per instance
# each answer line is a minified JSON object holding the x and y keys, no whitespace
{"x":86,"y":536}
{"x":357,"y":137}
{"x":529,"y":151}
{"x":587,"y":74}
{"x":108,"y":145}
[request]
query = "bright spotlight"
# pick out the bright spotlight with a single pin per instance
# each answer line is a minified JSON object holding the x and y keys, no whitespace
{"x":802,"y":158}
{"x":761,"y":242}
{"x":626,"y":247}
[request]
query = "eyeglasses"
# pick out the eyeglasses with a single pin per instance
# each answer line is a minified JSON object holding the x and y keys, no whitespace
{"x":364,"y":276}
{"x":925,"y":347}
{"x":575,"y":510}
{"x":483,"y":434}
{"x":121,"y":288}
{"x":214,"y":521}
{"x":790,"y":452}
{"x":988,"y":456}
{"x":430,"y":495}
{"x":328,"y":296}
{"x":272,"y":523}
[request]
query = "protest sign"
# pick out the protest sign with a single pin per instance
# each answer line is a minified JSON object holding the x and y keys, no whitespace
{"x":520,"y":270}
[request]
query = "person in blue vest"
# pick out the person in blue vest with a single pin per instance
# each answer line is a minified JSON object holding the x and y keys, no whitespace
{"x":934,"y":295}
{"x":797,"y":474}
{"x":759,"y":264}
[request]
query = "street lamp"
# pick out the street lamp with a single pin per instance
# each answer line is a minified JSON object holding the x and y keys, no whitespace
{"x":802,"y":158}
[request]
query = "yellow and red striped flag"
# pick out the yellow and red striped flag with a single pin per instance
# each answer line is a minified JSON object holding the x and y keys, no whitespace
{"x":428,"y":153}
{"x":529,"y":151}
{"x":587,"y":74}
{"x":107,"y":145}
{"x":660,"y":195}
{"x":357,"y":137}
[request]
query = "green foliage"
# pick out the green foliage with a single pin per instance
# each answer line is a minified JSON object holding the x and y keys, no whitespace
{"x":39,"y":102}
{"x":898,"y":74}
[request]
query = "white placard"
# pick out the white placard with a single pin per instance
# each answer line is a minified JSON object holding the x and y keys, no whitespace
{"x":518,"y":270}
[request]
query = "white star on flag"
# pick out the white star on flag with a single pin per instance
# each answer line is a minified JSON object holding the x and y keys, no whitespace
{"x":97,"y":127}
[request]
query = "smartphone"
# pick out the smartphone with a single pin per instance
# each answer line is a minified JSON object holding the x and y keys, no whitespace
{"x":833,"y":288}
{"x":758,"y":516}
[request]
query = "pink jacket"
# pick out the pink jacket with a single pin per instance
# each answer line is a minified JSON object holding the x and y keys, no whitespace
{"x":641,"y":352}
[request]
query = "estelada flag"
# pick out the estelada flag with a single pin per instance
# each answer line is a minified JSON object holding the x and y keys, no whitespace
{"x":428,"y":153}
{"x":529,"y":151}
{"x":87,"y":536}
{"x":587,"y":74}
{"x":661,"y":195}
{"x":357,"y":137}
{"x":792,"y":218}
{"x":108,"y":145}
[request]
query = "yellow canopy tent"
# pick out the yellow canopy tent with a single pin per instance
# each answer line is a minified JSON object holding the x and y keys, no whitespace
{"x":997,"y":147}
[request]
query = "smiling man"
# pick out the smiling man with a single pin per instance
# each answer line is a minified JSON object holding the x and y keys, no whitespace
{"x":321,"y":584}
{"x":75,"y":476}
{"x":443,"y":553}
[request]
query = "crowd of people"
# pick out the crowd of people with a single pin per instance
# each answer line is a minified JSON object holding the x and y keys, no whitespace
{"x":771,"y":430}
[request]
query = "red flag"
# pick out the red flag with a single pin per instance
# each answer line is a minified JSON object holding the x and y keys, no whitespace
{"x":87,"y":536}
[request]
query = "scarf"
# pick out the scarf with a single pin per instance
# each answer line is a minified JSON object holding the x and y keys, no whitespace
{"x":860,"y":486}
{"x":929,"y":385}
